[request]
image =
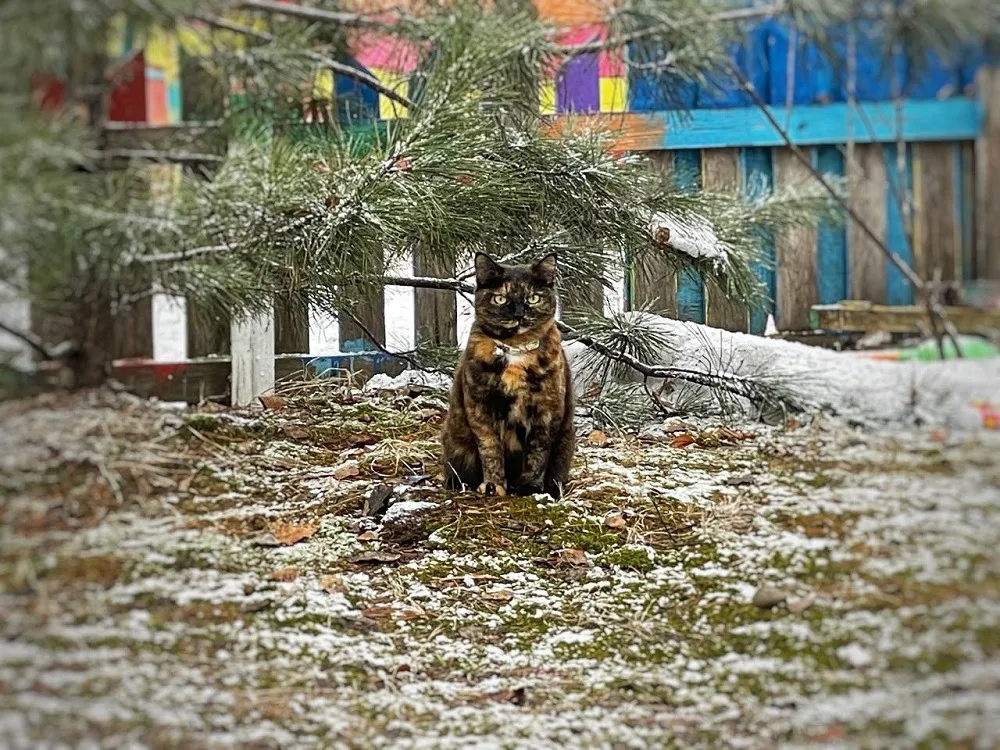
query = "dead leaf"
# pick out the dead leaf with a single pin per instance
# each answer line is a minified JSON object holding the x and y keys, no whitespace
{"x":275,"y":403}
{"x":333,"y":584}
{"x":682,"y":441}
{"x":291,"y":533}
{"x":465,"y":179}
{"x":571,"y":556}
{"x":598,"y":438}
{"x":833,"y":733}
{"x":499,"y":595}
{"x":368,"y":536}
{"x":376,"y":557}
{"x":410,"y":613}
{"x":379,"y":610}
{"x":346,"y":470}
{"x":361,"y":439}
{"x":295,"y":432}
{"x":614,"y":520}
{"x":284,"y":575}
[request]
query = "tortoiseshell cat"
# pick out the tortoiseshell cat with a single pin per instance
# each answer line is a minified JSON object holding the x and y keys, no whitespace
{"x":509,"y":428}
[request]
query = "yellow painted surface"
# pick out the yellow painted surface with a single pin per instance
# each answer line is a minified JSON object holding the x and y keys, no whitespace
{"x":387,"y":108}
{"x":614,"y":94}
{"x":547,"y":98}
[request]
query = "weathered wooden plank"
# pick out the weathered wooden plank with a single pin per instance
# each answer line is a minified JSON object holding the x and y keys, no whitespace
{"x":720,"y":171}
{"x":898,"y":318}
{"x":758,"y":176}
{"x":133,"y":330}
{"x":654,"y":281}
{"x":867,"y":185}
{"x":435,"y":311}
{"x":370,"y":310}
{"x":988,"y":176}
{"x":291,"y":326}
{"x":831,"y":241}
{"x":170,"y":328}
{"x":252,"y":358}
{"x":207,"y":333}
{"x":795,"y":253}
{"x":899,"y":185}
{"x":937,"y":237}
{"x":955,"y":119}
{"x":965,"y":205}
{"x":690,"y":287}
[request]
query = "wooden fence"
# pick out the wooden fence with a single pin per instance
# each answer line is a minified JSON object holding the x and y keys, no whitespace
{"x":950,"y":128}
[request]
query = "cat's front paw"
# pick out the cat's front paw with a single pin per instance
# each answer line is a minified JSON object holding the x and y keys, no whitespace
{"x":488,"y":488}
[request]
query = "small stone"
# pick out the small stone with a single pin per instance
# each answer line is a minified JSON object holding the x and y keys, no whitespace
{"x":738,"y":480}
{"x":248,"y":588}
{"x":798,"y":606}
{"x":769,"y":597}
{"x":377,"y":501}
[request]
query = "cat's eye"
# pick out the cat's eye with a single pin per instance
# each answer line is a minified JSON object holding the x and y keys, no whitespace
{"x":499,"y":299}
{"x":534,"y":299}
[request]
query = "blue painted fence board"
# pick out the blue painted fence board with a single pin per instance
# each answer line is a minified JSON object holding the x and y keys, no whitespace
{"x":758,"y":177}
{"x":823,"y":124}
{"x":832,"y":270}
{"x":897,"y":289}
{"x":690,"y":287}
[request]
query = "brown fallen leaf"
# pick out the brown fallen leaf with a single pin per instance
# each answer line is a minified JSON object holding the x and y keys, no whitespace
{"x":571,"y":556}
{"x":295,"y":432}
{"x":275,"y":403}
{"x":333,"y":584}
{"x":598,"y":438}
{"x":346,"y":470}
{"x":375,"y":557}
{"x":361,"y":439}
{"x":378,"y":611}
{"x":284,"y":575}
{"x":499,"y":595}
{"x":291,"y":533}
{"x":614,"y":520}
{"x":368,"y":536}
{"x":682,"y":441}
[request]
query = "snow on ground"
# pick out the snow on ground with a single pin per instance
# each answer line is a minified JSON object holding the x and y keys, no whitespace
{"x":208,"y":578}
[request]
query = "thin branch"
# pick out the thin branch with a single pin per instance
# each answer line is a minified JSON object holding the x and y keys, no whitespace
{"x":337,"y":67}
{"x":171,"y":157}
{"x":315,"y":15}
{"x":28,"y":338}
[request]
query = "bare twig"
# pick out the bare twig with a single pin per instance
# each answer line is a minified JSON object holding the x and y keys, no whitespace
{"x":28,"y":338}
{"x":171,"y":157}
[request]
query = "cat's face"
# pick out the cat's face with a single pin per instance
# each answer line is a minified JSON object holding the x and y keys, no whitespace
{"x":512,"y":300}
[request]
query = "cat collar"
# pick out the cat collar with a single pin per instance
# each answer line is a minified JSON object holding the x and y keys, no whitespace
{"x":502,"y":349}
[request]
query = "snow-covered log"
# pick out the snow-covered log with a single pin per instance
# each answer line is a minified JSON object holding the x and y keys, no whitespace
{"x":946,"y":393}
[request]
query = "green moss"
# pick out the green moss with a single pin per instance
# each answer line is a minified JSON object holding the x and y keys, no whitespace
{"x":629,"y":557}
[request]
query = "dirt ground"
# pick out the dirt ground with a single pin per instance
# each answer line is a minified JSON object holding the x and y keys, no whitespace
{"x":224,"y":578}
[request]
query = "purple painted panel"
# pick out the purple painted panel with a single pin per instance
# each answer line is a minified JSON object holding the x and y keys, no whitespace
{"x":578,"y":86}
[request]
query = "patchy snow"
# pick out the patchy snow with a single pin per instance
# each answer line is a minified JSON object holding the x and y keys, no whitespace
{"x":383,"y":382}
{"x":152,"y":618}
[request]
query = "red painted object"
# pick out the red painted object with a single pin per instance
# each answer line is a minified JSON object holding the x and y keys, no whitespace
{"x":128,"y":101}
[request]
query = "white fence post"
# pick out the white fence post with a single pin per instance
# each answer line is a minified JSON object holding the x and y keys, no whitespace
{"x":252,"y":344}
{"x":15,"y":312}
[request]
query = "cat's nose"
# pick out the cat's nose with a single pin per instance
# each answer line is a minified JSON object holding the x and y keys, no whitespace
{"x":518,"y":310}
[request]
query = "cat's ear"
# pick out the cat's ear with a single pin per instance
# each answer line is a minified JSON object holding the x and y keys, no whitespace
{"x":545,"y":269}
{"x":489,"y":273}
